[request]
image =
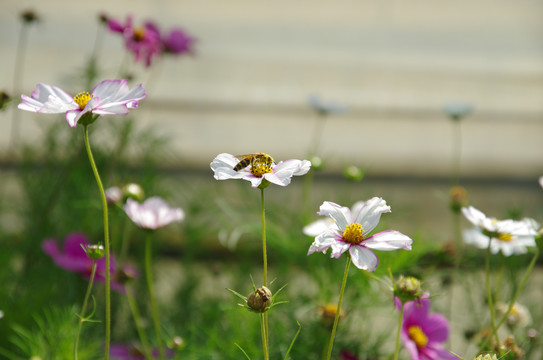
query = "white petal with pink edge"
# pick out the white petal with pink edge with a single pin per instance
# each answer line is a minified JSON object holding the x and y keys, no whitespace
{"x":388,"y":240}
{"x":363,"y":258}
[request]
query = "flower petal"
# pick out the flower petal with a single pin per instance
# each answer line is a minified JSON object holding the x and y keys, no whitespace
{"x":363,"y":258}
{"x":223,"y":167}
{"x":369,"y":213}
{"x":285,"y":170}
{"x":115,"y":97}
{"x":436,"y":328}
{"x":47,"y":99}
{"x":388,"y":240}
{"x":340,"y":214}
{"x":153,"y":213}
{"x":318,"y":227}
{"x":322,"y":242}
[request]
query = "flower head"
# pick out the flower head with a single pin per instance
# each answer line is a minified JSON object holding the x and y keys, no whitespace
{"x":422,"y":333}
{"x":177,"y":42}
{"x":110,"y":97}
{"x":519,"y":316}
{"x":153,"y":213}
{"x":350,"y":232}
{"x":259,"y":170}
{"x":74,"y":257}
{"x":508,"y":236}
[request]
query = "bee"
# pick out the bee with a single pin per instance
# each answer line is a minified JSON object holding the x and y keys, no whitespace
{"x":257,"y":159}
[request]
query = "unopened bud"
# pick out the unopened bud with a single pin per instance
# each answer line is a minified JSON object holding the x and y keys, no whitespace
{"x":176,"y":343}
{"x":407,"y":289}
{"x":94,"y":251}
{"x":458,"y":198}
{"x":260,"y":299}
{"x":29,"y":16}
{"x":316,"y":163}
{"x":134,"y":191}
{"x":353,"y":173}
{"x":4,"y":99}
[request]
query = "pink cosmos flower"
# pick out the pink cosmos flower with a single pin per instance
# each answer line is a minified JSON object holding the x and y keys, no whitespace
{"x":280,"y":174}
{"x":132,"y":352}
{"x":73,"y":258}
{"x":153,"y":213}
{"x":110,"y":97}
{"x":146,"y":41}
{"x":350,"y":232}
{"x":422,"y":333}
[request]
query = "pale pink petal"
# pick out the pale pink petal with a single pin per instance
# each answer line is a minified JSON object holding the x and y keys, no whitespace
{"x":338,"y":248}
{"x":363,"y":258}
{"x":47,"y":99}
{"x":388,"y":240}
{"x":322,"y":242}
{"x":153,"y":213}
{"x":369,"y":214}
{"x":223,"y":167}
{"x":115,"y":95}
{"x":340,"y":214}
{"x":285,"y":170}
{"x":476,"y":217}
{"x":318,"y":227}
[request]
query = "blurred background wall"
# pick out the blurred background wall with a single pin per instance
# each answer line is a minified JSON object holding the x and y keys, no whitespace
{"x":393,"y":64}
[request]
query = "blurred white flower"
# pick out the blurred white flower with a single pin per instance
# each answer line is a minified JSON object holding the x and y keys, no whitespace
{"x":153,"y":213}
{"x":519,"y":316}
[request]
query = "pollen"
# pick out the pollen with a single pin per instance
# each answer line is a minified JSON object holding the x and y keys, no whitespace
{"x":418,"y":336}
{"x":353,"y":234}
{"x":138,"y":34}
{"x":505,"y":237}
{"x":259,"y":170}
{"x":82,"y":99}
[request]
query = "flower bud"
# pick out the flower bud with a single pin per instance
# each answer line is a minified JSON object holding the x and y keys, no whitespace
{"x":316,"y":163}
{"x":114,"y":195}
{"x":486,"y":357}
{"x":407,"y":289}
{"x":134,"y":191}
{"x":4,"y":99}
{"x":94,"y":251}
{"x":458,"y":198}
{"x":353,"y":173}
{"x":176,"y":343}
{"x":29,"y":16}
{"x":260,"y":299}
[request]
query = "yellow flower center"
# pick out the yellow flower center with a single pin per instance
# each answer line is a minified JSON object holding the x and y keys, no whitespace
{"x":505,"y":237}
{"x":138,"y":34}
{"x":353,"y":234}
{"x":82,"y":99}
{"x":417,"y":335}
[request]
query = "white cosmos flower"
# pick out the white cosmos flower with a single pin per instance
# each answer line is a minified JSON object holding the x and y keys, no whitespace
{"x":319,"y":226}
{"x":280,"y":174}
{"x":153,"y":213}
{"x":350,"y":232}
{"x":110,"y":97}
{"x":508,"y":236}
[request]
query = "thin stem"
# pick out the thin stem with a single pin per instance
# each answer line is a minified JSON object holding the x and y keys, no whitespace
{"x":137,"y":321}
{"x":514,"y":298}
{"x":84,"y":308}
{"x":489,"y":294}
{"x":336,"y":318}
{"x":400,"y":321}
{"x":17,"y":78}
{"x":457,"y":143}
{"x":265,"y":348}
{"x":106,"y":241}
{"x":264,"y":255}
{"x":154,"y":306}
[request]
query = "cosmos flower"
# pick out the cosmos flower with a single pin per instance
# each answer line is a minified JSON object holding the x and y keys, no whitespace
{"x":153,"y":213}
{"x":422,"y":333}
{"x":519,"y":316}
{"x":350,"y":232}
{"x":132,"y":352}
{"x":74,"y":258}
{"x":317,"y":227}
{"x":110,"y":97}
{"x":146,"y":41}
{"x":279,"y":174}
{"x":508,"y":236}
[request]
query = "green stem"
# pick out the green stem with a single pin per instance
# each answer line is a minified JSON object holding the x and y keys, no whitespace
{"x":489,"y":294}
{"x":17,"y":78}
{"x":457,"y":143}
{"x":514,"y":298}
{"x":265,"y":329}
{"x":336,"y":318}
{"x":154,"y":306}
{"x":84,"y":308}
{"x":137,"y":321}
{"x":264,"y":337}
{"x":400,"y":321}
{"x":106,"y":241}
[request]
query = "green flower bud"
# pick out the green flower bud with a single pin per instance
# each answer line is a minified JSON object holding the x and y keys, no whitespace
{"x":94,"y":251}
{"x":316,"y":163}
{"x":407,"y":289}
{"x":260,"y":299}
{"x":134,"y":191}
{"x":353,"y":173}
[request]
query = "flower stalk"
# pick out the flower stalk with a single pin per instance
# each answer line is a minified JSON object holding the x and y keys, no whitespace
{"x":137,"y":321}
{"x":82,"y":318}
{"x":489,"y":294}
{"x":400,"y":321}
{"x":264,"y":317}
{"x":152,"y":297}
{"x":106,"y":239}
{"x":336,"y":318}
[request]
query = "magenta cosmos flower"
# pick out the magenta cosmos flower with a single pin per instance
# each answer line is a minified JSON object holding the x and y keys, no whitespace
{"x":422,"y":333}
{"x":146,"y":41}
{"x":259,"y":170}
{"x":110,"y":97}
{"x":350,"y":232}
{"x":153,"y":213}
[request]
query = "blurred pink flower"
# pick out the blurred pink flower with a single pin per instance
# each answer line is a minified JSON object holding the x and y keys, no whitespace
{"x":110,"y":97}
{"x":146,"y":41}
{"x":73,"y":258}
{"x":350,"y":231}
{"x":422,"y":333}
{"x":153,"y":213}
{"x":132,"y":352}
